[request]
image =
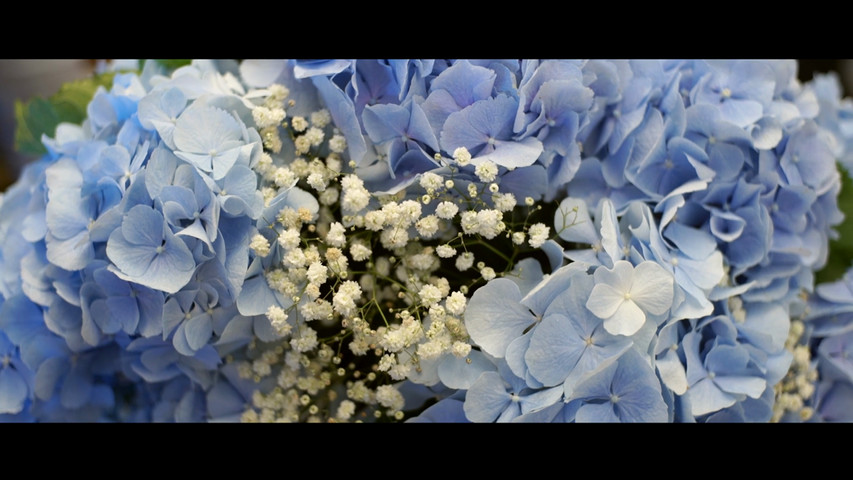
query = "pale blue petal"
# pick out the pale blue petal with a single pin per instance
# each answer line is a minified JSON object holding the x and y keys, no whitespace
{"x":555,"y":349}
{"x":72,"y":253}
{"x":512,"y":154}
{"x":47,"y":376}
{"x":487,"y":399}
{"x":76,"y":388}
{"x":672,"y":372}
{"x":750,"y":386}
{"x":461,"y":373}
{"x":573,"y":223}
{"x":627,"y":320}
{"x":198,"y":331}
{"x":596,"y":413}
{"x":203,"y":129}
{"x":705,"y":397}
{"x":652,"y":288}
{"x":494,"y":316}
{"x":605,"y":300}
{"x":13,"y":390}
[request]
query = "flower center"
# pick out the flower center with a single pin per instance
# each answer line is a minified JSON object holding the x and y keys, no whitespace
{"x":726,"y":93}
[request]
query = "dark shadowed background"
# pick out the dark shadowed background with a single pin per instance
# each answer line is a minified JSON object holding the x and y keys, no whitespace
{"x":22,"y":79}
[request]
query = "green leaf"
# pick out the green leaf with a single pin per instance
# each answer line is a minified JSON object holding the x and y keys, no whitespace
{"x":34,"y":118}
{"x":40,"y":116}
{"x":841,"y":249}
{"x":173,"y":63}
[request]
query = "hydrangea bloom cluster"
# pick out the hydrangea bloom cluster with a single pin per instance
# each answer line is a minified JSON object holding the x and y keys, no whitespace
{"x":432,"y":240}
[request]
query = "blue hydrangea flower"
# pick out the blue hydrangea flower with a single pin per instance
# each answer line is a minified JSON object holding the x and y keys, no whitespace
{"x":145,"y":251}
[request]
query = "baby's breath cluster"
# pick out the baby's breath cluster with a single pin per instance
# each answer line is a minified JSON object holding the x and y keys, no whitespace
{"x":795,"y":391}
{"x":365,"y":300}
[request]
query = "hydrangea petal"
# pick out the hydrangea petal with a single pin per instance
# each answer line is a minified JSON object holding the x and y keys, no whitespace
{"x":652,"y":288}
{"x":487,"y":399}
{"x":13,"y":390}
{"x":494,"y":316}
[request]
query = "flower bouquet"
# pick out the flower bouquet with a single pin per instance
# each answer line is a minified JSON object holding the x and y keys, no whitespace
{"x":432,"y":241}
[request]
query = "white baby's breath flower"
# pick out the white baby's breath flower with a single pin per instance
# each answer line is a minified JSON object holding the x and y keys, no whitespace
{"x":267,"y":117}
{"x":346,"y":296}
{"x":321,"y":118}
{"x":278,"y":319}
{"x":538,"y":234}
{"x":488,"y":273}
{"x":445,"y":251}
{"x":462,"y":156}
{"x":284,"y":177}
{"x":504,"y":201}
{"x":360,"y":252}
{"x":429,"y":295}
{"x":455,"y":303}
{"x":260,"y":245}
{"x":464,"y":261}
{"x":329,"y":196}
{"x":446,"y":210}
{"x":460,"y":349}
{"x":302,"y":143}
{"x":390,"y":397}
{"x":486,"y":171}
{"x":427,"y":226}
{"x":305,"y":341}
{"x":337,"y":143}
{"x":317,"y":181}
{"x":317,"y":273}
{"x":299,"y":124}
{"x":336,"y":235}
{"x":314,"y":135}
{"x":289,"y":239}
{"x":430,"y":181}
